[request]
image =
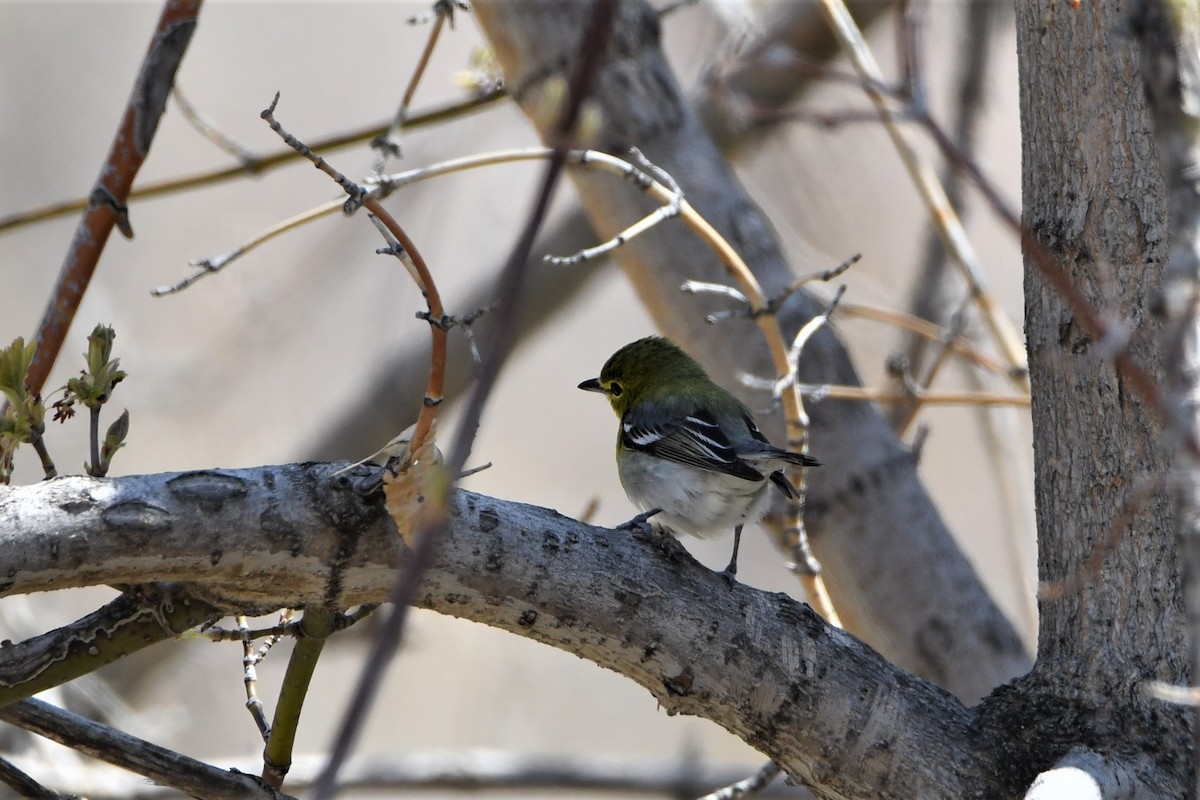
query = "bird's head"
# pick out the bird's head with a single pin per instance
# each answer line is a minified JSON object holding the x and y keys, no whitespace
{"x":641,"y":370}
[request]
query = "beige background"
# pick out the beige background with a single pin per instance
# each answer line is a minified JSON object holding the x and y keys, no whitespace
{"x":249,"y":367}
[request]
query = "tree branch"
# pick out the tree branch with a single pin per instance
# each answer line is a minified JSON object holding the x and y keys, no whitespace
{"x":157,"y":763}
{"x":830,"y":710}
{"x":141,"y":616}
{"x":106,"y":205}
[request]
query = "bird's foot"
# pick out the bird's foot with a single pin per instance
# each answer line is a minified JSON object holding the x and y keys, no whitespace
{"x":640,"y":524}
{"x":730,"y":575}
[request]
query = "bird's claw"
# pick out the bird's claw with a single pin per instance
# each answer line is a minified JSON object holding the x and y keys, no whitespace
{"x":664,"y":542}
{"x":640,"y":524}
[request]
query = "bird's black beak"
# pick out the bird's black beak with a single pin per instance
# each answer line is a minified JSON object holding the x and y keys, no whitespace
{"x":592,"y":385}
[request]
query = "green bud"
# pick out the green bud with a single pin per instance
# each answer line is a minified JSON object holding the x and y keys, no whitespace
{"x":15,"y":361}
{"x":100,"y":344}
{"x":114,"y":440}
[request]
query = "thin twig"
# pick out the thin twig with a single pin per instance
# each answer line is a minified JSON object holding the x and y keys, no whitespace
{"x":928,"y":330}
{"x":212,"y":265}
{"x":209,"y":131}
{"x":749,"y":786}
{"x":417,"y":268}
{"x":825,"y":391}
{"x":383,"y":187}
{"x":388,"y":144}
{"x":159,"y":764}
{"x":660,"y":214}
{"x":954,"y":332}
{"x":26,"y":786}
{"x":262,"y":163}
{"x":251,"y":658}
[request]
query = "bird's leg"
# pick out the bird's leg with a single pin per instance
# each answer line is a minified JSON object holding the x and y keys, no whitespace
{"x":639,"y":523}
{"x":730,"y":572}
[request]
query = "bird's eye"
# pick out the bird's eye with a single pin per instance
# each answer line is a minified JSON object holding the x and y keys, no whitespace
{"x":615,"y":389}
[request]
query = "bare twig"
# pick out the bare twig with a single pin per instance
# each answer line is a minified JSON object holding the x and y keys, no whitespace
{"x":261,"y":163}
{"x":925,"y":329}
{"x":388,"y":144}
{"x":137,"y":755}
{"x":826,"y":391}
{"x":251,"y":658}
{"x":953,"y":333}
{"x":209,"y":131}
{"x":660,"y":214}
{"x":747,"y":787}
{"x":380,"y":189}
{"x":26,"y":786}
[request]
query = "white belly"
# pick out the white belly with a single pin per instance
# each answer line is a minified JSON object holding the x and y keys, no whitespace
{"x":694,"y":501}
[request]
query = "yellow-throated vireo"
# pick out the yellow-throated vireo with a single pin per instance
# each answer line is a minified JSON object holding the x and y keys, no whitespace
{"x":687,"y":450}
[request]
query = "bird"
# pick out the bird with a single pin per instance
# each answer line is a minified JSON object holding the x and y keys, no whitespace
{"x":688,"y":452}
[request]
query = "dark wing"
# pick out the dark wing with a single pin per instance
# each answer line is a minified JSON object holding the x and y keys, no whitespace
{"x":694,"y":439}
{"x":799,"y":459}
{"x":778,"y":478}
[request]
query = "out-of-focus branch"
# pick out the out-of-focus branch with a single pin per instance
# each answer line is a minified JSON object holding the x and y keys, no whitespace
{"x":159,"y":764}
{"x":1169,"y":39}
{"x":261,"y":164}
{"x":759,"y":72}
{"x":482,"y":771}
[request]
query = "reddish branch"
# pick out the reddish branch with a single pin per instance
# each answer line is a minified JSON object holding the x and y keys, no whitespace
{"x":106,"y":203}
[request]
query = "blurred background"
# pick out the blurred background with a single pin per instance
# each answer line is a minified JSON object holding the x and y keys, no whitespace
{"x":263,"y":362}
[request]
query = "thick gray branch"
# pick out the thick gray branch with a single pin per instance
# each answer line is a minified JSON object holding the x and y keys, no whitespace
{"x":829,"y":709}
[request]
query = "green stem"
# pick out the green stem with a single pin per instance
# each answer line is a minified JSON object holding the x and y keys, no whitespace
{"x":95,"y":469}
{"x":315,"y":627}
{"x":39,"y":444}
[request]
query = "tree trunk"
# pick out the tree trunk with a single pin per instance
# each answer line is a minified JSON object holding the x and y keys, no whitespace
{"x":1093,"y":197}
